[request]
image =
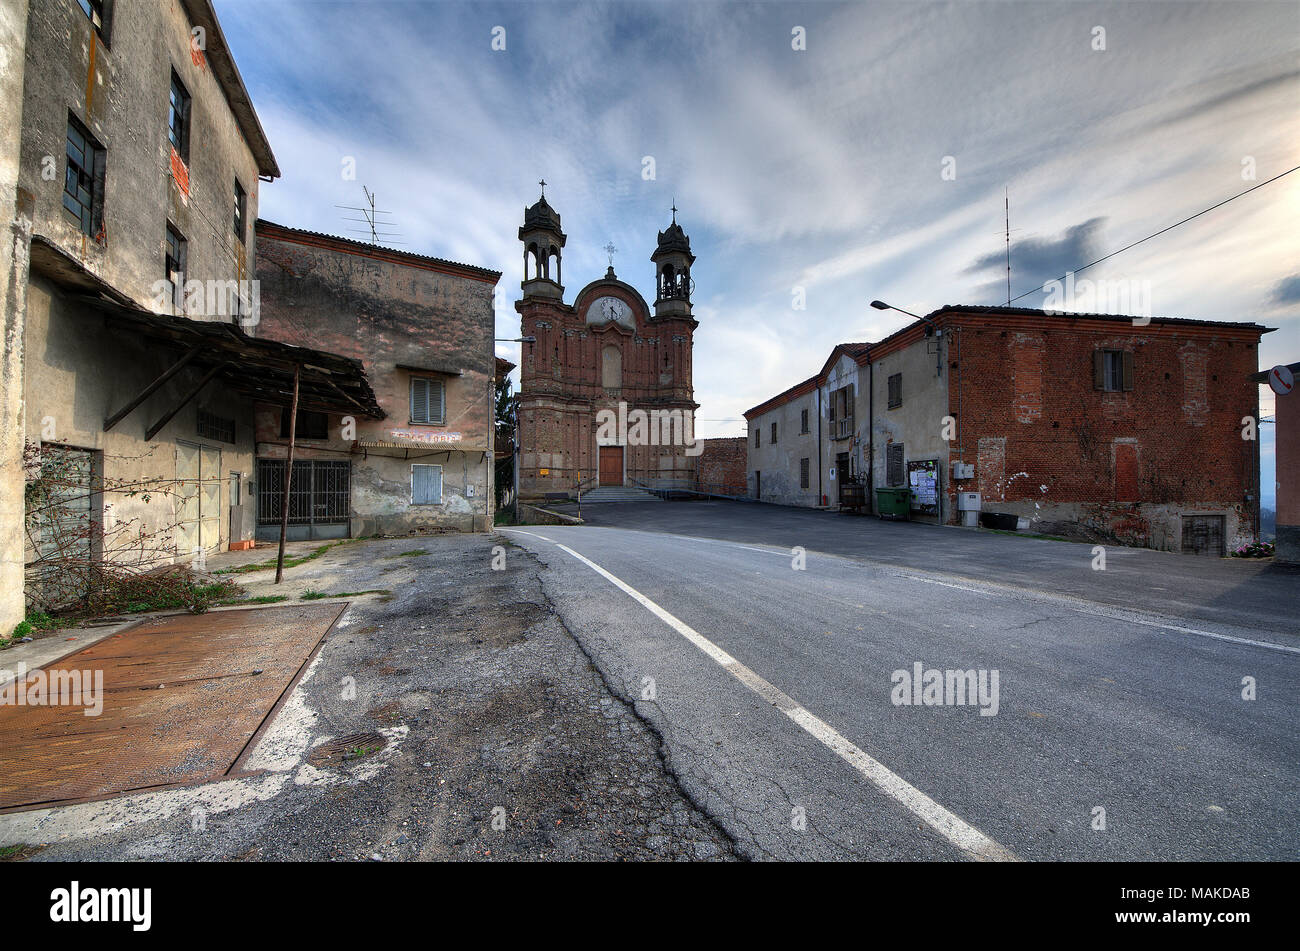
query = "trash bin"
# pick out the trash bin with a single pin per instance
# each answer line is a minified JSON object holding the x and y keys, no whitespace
{"x":893,"y":502}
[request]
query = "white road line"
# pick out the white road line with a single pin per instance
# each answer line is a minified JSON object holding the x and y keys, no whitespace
{"x":960,"y":833}
{"x":946,"y":584}
{"x":1267,"y":645}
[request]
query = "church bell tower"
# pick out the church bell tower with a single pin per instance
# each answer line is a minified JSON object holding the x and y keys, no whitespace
{"x":673,"y":260}
{"x":543,"y":241}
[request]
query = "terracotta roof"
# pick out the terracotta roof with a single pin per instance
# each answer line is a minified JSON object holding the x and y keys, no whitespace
{"x":347,"y":245}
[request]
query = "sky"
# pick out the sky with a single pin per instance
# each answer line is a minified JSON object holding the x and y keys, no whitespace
{"x":872,"y":163}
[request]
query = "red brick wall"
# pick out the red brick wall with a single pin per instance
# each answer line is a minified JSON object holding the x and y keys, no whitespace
{"x":1022,"y":389}
{"x":721,"y":466}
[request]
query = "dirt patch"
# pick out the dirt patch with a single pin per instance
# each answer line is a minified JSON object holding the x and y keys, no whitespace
{"x":354,"y":746}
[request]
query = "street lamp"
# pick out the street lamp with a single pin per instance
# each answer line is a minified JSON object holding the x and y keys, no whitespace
{"x":515,"y":410}
{"x":931,"y":330}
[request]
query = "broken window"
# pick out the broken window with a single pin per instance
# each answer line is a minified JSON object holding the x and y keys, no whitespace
{"x":1112,"y":370}
{"x":894,"y":464}
{"x":426,"y":485}
{"x":174,"y":266}
{"x":311,"y":425}
{"x":896,"y":391}
{"x":83,"y":184}
{"x":178,"y":118}
{"x":241,"y":202}
{"x":427,"y":400}
{"x":803,"y":473}
{"x":94,"y":10}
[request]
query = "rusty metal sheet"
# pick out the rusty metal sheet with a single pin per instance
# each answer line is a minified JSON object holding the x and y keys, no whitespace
{"x":182,"y":698}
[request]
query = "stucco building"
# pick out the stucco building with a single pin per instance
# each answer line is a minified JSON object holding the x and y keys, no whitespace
{"x":1286,"y":460}
{"x":1087,"y":425}
{"x":606,"y":353}
{"x":127,"y":290}
{"x":422,"y":328}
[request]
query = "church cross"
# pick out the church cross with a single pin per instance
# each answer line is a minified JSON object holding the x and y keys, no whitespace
{"x":609,"y":249}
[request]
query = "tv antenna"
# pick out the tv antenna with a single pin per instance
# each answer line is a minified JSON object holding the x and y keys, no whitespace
{"x":370,"y":218}
{"x":1007,"y":230}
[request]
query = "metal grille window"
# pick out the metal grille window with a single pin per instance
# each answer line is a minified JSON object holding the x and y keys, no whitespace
{"x":1112,"y":370}
{"x":894,"y":464}
{"x":178,"y":118}
{"x":896,"y":391}
{"x":803,"y":473}
{"x":319,"y":493}
{"x":174,"y":265}
{"x":427,"y":400}
{"x":212,"y":426}
{"x":83,"y":183}
{"x":426,"y":485}
{"x":241,"y":208}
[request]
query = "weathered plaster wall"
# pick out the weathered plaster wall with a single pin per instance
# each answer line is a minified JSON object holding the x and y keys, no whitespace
{"x":15,"y":243}
{"x":918,"y":423}
{"x":119,"y":90}
{"x":1287,"y":415}
{"x":779,"y":462}
{"x":80,"y":369}
{"x":389,"y":311}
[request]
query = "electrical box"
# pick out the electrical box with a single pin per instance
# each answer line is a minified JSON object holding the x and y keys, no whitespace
{"x":968,"y":501}
{"x":963,"y":470}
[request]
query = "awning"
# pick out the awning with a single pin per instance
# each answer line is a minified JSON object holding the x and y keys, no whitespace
{"x":260,"y":369}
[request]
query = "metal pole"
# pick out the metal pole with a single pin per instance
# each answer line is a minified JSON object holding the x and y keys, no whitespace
{"x":288,"y":476}
{"x":515,"y":451}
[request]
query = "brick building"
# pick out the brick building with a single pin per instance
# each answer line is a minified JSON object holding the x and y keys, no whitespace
{"x":606,"y":352}
{"x":1083,"y":424}
{"x":720,"y":468}
{"x":422,"y":328}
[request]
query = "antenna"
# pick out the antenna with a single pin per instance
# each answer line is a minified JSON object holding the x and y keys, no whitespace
{"x":1007,"y":199}
{"x":370,"y":218}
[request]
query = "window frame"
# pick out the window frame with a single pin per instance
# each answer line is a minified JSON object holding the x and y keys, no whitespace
{"x":415,"y":420}
{"x":96,"y":9}
{"x":173,"y":237}
{"x":302,"y":431}
{"x":773,"y":441}
{"x":894,"y":393}
{"x":427,"y":465}
{"x":1112,"y":370}
{"x":805,"y":467}
{"x":895,"y":454}
{"x":186,"y":114}
{"x":758,"y":437}
{"x":803,"y":421}
{"x":240,"y":222}
{"x":91,"y":180}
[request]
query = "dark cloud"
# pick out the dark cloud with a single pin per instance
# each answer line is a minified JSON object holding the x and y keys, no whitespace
{"x":1235,"y":96}
{"x":1035,"y":260}
{"x":1287,"y":290}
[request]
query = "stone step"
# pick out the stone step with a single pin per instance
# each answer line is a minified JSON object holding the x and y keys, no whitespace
{"x":616,"y":493}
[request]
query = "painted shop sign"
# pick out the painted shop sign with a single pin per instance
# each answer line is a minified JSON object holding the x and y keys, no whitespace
{"x":425,"y":437}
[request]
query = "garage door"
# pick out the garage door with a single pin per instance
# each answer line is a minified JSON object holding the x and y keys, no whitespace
{"x":198,"y":477}
{"x":1203,"y":535}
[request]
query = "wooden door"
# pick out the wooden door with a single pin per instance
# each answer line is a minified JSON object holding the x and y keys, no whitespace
{"x":611,"y":465}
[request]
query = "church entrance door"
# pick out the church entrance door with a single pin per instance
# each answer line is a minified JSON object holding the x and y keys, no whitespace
{"x":611,"y":465}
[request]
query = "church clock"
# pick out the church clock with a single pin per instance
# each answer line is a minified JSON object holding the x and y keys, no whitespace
{"x":605,"y":309}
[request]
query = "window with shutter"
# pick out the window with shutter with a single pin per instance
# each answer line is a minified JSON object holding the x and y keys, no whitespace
{"x":894,"y":464}
{"x":426,"y":485}
{"x":426,"y":400}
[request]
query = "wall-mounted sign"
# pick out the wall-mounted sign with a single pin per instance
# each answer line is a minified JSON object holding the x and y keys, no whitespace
{"x":544,"y":472}
{"x":1281,"y":380}
{"x":415,"y":435}
{"x":923,"y":480}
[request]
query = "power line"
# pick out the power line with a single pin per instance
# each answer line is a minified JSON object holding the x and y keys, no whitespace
{"x":1107,"y":257}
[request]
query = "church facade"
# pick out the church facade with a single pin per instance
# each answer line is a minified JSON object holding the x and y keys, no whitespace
{"x":605,"y":395}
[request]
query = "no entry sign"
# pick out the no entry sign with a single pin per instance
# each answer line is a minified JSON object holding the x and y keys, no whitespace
{"x":1280,"y":380}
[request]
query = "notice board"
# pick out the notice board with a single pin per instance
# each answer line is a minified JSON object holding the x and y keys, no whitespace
{"x":923,"y":480}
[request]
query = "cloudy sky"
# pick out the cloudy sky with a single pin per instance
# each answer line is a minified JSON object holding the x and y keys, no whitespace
{"x":820,"y":168}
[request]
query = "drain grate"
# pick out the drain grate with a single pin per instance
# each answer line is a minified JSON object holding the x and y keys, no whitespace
{"x":350,"y":747}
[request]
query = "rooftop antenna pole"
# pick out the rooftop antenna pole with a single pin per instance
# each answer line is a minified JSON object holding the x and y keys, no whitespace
{"x":1007,"y":198}
{"x":374,"y":225}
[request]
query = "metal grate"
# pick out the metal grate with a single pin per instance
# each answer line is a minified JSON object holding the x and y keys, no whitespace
{"x":320,"y":493}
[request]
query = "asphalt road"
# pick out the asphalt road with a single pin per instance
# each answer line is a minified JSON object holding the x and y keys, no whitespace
{"x":1119,"y":690}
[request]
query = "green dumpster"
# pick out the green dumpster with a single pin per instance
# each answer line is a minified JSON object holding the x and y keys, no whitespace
{"x":893,"y":502}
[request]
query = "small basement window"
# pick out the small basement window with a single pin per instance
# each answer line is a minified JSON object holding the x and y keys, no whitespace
{"x":426,"y":485}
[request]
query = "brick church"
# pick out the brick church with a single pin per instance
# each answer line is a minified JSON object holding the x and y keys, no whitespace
{"x":607,"y":356}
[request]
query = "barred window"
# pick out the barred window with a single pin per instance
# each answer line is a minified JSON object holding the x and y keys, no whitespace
{"x":803,"y":473}
{"x":219,"y":428}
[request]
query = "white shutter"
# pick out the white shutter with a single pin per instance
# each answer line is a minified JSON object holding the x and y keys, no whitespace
{"x":426,"y":485}
{"x":426,"y":400}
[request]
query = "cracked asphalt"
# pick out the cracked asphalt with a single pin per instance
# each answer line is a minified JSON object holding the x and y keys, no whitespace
{"x":1109,"y":699}
{"x":539,"y":712}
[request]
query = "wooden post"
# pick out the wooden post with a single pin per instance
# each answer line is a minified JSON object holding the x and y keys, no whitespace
{"x":288,"y":476}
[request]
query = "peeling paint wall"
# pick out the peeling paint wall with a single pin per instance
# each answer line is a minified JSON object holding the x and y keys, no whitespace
{"x":388,"y":309}
{"x":918,"y":423}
